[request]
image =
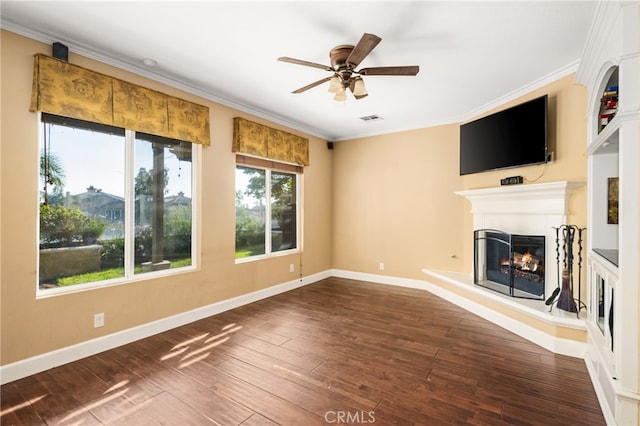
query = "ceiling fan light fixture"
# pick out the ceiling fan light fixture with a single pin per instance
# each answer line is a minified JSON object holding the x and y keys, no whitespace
{"x":334,"y":84}
{"x":341,"y":95}
{"x":359,"y":91}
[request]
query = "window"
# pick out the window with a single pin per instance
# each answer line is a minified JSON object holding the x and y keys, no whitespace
{"x":114,"y":215}
{"x":267,"y":214}
{"x":114,"y":204}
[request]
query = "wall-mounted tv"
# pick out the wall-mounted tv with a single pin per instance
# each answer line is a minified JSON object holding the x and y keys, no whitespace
{"x":513,"y":137}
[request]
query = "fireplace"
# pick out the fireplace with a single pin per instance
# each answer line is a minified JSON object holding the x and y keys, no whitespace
{"x":509,"y":263}
{"x":528,"y":209}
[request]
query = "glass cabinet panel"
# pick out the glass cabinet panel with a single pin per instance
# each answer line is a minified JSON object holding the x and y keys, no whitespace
{"x":600,"y":292}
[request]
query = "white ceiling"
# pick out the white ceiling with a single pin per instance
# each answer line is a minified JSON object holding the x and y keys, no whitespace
{"x":472,"y":55}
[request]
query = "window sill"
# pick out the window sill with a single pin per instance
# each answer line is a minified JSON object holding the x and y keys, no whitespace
{"x":78,"y":288}
{"x":267,"y":256}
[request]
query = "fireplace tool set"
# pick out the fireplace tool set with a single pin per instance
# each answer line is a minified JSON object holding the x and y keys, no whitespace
{"x":563,"y":294}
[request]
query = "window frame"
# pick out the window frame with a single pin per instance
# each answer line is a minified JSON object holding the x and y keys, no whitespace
{"x":129,"y":213}
{"x":273,"y":166}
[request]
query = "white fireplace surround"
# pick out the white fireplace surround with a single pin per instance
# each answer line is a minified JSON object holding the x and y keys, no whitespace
{"x":526,"y":209}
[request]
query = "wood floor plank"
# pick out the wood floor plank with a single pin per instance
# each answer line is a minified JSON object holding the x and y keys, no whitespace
{"x":307,"y":362}
{"x":312,"y":399}
{"x":204,"y":373}
{"x":117,"y":376}
{"x":336,"y":349}
{"x":400,"y":413}
{"x":15,"y":409}
{"x":258,"y":420}
{"x":201,"y":398}
{"x":272,"y":407}
{"x":53,"y":403}
{"x":163,"y":409}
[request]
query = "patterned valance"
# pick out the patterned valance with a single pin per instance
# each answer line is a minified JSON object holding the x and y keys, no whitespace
{"x":266,"y":142}
{"x":72,"y":91}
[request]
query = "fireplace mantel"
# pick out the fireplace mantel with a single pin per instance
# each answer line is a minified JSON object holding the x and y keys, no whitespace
{"x":539,"y":198}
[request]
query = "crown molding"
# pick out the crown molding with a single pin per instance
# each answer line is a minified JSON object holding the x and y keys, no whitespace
{"x":496,"y":103}
{"x":601,"y":27}
{"x":522,"y":91}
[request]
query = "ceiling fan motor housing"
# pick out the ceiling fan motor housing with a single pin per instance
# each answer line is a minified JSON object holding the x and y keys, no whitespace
{"x":338,"y":56}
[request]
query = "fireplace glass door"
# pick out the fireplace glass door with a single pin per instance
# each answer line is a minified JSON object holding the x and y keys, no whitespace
{"x":510,"y":264}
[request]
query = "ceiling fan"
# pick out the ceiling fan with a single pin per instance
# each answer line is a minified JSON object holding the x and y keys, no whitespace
{"x":344,"y":60}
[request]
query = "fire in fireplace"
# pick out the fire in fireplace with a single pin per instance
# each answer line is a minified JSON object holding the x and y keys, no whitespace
{"x":510,"y":264}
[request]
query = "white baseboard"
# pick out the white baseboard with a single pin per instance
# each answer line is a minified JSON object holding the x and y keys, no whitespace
{"x":38,"y":363}
{"x":554,"y":344}
{"x":380,"y":279}
{"x":601,"y":393}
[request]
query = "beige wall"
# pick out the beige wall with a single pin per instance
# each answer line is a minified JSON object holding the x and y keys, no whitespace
{"x":393,"y":194}
{"x":394,"y":203}
{"x":31,"y":326}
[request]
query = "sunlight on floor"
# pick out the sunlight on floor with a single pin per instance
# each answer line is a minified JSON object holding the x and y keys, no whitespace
{"x":190,"y":351}
{"x":117,"y":386}
{"x":20,"y":406}
{"x":95,"y":404}
{"x":188,"y":342}
{"x":174,"y":354}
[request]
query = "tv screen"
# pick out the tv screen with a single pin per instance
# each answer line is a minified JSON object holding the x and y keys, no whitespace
{"x":513,"y":137}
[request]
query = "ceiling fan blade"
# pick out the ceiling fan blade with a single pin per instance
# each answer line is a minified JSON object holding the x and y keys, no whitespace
{"x":312,"y":85}
{"x":305,"y":63}
{"x":408,"y":70}
{"x":366,"y":44}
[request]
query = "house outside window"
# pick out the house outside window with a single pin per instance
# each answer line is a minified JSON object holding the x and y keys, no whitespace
{"x":267,"y":212}
{"x":114,"y":205}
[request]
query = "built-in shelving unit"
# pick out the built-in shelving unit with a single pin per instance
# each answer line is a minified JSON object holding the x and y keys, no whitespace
{"x":604,"y":159}
{"x":610,"y":69}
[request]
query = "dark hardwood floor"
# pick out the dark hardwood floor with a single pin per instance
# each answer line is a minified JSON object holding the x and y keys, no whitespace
{"x":334,"y":352}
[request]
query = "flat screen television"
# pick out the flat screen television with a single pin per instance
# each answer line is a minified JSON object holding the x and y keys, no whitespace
{"x":514,"y":137}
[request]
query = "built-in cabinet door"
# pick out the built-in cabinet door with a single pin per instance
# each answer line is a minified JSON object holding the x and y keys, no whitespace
{"x":603,"y":281}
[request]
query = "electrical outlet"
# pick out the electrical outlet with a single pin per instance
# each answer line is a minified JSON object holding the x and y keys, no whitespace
{"x":98,"y":320}
{"x":292,"y":268}
{"x":382,"y":266}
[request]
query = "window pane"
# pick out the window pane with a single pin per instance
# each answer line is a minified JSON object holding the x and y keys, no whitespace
{"x":81,"y":206}
{"x":250,"y":212}
{"x":163,"y":207}
{"x":283,"y":211}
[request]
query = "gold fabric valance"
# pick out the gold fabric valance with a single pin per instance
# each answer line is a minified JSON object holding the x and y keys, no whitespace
{"x":72,"y":91}
{"x":266,"y":142}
